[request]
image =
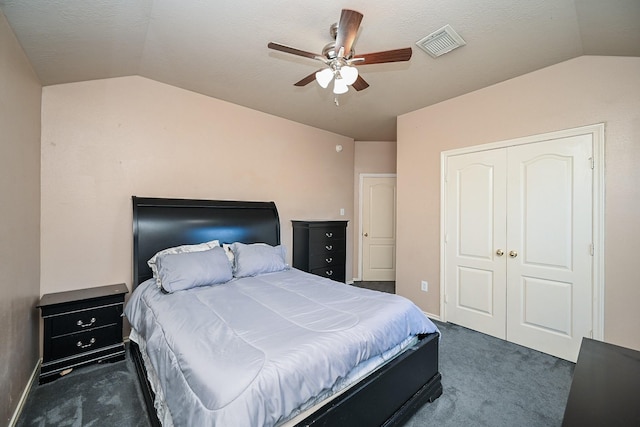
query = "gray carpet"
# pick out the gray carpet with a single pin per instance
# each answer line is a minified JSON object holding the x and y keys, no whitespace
{"x":388,"y":287}
{"x":490,"y":382}
{"x":486,"y":381}
{"x":96,"y":395}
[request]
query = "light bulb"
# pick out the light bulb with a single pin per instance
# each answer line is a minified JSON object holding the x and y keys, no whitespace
{"x":349,"y":74}
{"x":324,"y":77}
{"x":340,"y":87}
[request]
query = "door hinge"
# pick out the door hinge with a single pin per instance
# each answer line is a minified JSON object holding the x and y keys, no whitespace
{"x":591,"y":249}
{"x":591,"y":162}
{"x":446,"y":298}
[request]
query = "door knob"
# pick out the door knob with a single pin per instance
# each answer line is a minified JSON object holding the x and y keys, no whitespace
{"x":499,"y":252}
{"x":513,"y":254}
{"x":366,"y":234}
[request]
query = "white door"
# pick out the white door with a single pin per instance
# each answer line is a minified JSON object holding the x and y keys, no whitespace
{"x":549,"y":243}
{"x":379,"y":228}
{"x":475,"y":215}
{"x":518,"y":243}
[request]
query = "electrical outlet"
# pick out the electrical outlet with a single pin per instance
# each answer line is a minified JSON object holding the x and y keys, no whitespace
{"x":425,"y":286}
{"x":341,"y":211}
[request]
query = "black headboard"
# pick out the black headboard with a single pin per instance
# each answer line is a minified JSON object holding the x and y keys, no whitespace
{"x":163,"y":223}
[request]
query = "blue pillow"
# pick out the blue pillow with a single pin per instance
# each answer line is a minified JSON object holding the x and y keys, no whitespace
{"x":178,"y":272}
{"x":177,"y":250}
{"x":258,"y":258}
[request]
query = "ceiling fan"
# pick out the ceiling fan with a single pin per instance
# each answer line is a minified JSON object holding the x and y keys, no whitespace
{"x":340,"y":58}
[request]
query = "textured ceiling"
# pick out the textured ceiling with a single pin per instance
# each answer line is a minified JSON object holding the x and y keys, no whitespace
{"x":219,"y":48}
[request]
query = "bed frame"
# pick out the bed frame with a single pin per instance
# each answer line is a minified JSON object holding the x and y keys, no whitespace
{"x":387,"y":397}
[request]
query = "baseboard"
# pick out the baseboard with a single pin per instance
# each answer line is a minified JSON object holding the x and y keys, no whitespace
{"x":433,"y":316}
{"x":23,"y":398}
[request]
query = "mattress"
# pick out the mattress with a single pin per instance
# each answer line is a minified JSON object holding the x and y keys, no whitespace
{"x":258,"y":350}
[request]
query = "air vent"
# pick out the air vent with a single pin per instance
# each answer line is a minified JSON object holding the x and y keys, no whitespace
{"x":440,"y":42}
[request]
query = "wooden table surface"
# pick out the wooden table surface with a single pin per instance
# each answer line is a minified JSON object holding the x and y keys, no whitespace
{"x":605,"y":390}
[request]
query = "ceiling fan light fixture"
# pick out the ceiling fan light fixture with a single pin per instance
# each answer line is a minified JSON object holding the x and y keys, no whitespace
{"x":324,"y":77}
{"x":349,"y":74}
{"x":340,"y":58}
{"x":340,"y":86}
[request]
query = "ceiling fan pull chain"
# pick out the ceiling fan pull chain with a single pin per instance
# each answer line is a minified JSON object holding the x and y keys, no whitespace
{"x":335,"y":101}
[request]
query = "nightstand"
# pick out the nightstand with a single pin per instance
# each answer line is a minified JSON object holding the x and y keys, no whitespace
{"x":81,"y":327}
{"x":320,"y":248}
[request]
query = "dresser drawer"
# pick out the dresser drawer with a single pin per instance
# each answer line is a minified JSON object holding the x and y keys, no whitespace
{"x":82,"y":320}
{"x":326,"y":235}
{"x":70,"y":345}
{"x":326,"y":259}
{"x":326,"y":247}
{"x":335,"y":272}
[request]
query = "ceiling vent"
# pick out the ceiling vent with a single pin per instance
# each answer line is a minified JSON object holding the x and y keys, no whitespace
{"x":440,"y":42}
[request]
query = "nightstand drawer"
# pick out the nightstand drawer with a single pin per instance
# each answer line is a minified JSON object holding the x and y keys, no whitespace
{"x":70,"y":345}
{"x":80,"y":321}
{"x":326,"y":259}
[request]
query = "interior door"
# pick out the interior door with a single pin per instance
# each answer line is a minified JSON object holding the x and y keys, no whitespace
{"x":379,"y":228}
{"x":549,"y":243}
{"x":518,"y":243}
{"x":475,"y":239}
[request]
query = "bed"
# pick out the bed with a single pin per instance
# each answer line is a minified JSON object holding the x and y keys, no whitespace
{"x":404,"y":377}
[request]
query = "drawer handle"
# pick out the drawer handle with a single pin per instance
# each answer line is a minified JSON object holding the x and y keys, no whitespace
{"x":329,"y":247}
{"x":328,"y":260}
{"x":329,"y":272}
{"x":91,"y":342}
{"x":328,"y":234}
{"x":85,"y":325}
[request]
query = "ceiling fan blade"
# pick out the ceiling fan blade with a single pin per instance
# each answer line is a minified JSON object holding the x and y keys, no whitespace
{"x":291,"y":50}
{"x":347,"y":30}
{"x":360,"y":84}
{"x":305,"y":81}
{"x":395,"y":55}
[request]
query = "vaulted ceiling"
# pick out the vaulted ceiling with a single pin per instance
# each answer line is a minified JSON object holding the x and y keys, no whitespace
{"x":219,"y":48}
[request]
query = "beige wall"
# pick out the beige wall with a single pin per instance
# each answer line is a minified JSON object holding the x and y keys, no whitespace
{"x":106,"y":140}
{"x":578,"y":92}
{"x":370,"y":157}
{"x":20,"y":94}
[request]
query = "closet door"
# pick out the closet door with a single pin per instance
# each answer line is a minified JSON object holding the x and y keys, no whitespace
{"x":475,"y":267}
{"x":549,"y":262}
{"x":518,"y":243}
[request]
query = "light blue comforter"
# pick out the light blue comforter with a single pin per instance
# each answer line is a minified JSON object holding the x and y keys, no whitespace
{"x":250,"y":351}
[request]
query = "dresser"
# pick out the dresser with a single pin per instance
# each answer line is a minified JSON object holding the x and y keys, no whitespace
{"x":81,"y":327}
{"x":320,"y":247}
{"x":605,"y":386}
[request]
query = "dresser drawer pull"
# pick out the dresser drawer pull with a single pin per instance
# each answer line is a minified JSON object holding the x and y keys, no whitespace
{"x":329,"y":247}
{"x":328,"y":234}
{"x":328,"y":260}
{"x":86,"y":325}
{"x":329,"y":272}
{"x":91,"y":342}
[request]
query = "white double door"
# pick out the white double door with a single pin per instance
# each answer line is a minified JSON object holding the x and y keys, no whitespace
{"x":518,"y":243}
